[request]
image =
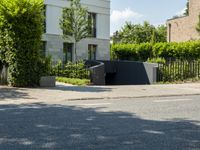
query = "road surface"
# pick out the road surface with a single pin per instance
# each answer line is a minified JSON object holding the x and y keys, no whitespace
{"x":161,"y":123}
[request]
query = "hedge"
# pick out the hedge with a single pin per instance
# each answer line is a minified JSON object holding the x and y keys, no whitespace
{"x":21,"y":28}
{"x":142,"y":52}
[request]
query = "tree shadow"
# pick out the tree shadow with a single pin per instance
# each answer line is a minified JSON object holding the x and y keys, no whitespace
{"x":93,"y":89}
{"x":13,"y":93}
{"x":40,"y":126}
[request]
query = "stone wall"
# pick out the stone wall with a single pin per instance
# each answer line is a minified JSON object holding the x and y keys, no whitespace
{"x":184,"y":28}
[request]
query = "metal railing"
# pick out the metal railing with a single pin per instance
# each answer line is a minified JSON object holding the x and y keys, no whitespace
{"x":178,"y":70}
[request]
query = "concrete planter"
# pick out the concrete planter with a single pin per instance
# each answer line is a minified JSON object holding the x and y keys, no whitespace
{"x":48,"y":81}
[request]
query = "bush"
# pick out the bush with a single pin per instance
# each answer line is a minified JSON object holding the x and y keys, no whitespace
{"x":73,"y":81}
{"x":71,"y":70}
{"x":142,"y":52}
{"x":21,"y":28}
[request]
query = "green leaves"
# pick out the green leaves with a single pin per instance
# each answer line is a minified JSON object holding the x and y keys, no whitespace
{"x":74,"y":22}
{"x":140,"y":33}
{"x":144,"y":51}
{"x":21,"y":27}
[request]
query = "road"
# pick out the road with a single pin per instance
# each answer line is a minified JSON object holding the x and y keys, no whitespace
{"x":164,"y":123}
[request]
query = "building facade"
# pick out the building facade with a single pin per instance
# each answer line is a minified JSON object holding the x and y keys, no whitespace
{"x":96,"y":47}
{"x":184,"y":28}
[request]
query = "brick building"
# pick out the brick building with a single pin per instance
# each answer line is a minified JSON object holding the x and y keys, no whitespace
{"x":184,"y":28}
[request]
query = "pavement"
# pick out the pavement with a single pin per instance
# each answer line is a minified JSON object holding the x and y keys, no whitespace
{"x":66,"y":92}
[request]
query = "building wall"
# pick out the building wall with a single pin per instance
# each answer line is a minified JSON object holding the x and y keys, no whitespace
{"x":53,"y":34}
{"x":184,"y":28}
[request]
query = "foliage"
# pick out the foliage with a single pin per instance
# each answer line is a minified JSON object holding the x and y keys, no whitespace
{"x":198,"y":25}
{"x":73,"y":81}
{"x":71,"y":70}
{"x":186,"y":13}
{"x":137,"y":33}
{"x":142,"y":52}
{"x":45,"y":65}
{"x":75,"y":23}
{"x":156,"y":60}
{"x":21,"y":27}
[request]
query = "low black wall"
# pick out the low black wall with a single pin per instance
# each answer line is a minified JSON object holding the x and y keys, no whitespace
{"x":123,"y":73}
{"x":129,"y":73}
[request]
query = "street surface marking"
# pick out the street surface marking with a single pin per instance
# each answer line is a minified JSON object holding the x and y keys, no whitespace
{"x":171,"y":100}
{"x":95,"y":104}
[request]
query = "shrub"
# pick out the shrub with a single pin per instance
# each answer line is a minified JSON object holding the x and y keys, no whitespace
{"x":21,"y":24}
{"x":184,"y":50}
{"x":71,"y":70}
{"x":73,"y":81}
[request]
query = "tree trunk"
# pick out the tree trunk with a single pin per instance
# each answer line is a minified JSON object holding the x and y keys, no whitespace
{"x":75,"y":52}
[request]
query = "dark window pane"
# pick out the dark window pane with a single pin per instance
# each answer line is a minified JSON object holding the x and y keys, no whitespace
{"x":92,"y":52}
{"x":67,"y":49}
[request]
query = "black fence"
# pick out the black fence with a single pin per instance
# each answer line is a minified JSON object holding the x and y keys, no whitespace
{"x":178,"y":70}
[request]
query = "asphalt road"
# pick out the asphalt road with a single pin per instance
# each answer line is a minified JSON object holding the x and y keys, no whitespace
{"x":165,"y":123}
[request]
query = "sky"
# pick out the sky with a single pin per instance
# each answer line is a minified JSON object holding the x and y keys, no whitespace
{"x":155,"y":12}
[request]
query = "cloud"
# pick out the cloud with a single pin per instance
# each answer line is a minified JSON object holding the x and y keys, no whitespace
{"x":118,"y":18}
{"x":126,"y":15}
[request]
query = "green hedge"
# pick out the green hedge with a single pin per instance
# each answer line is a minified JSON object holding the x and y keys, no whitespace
{"x":141,"y":52}
{"x":73,"y":81}
{"x":21,"y":28}
{"x":71,"y":70}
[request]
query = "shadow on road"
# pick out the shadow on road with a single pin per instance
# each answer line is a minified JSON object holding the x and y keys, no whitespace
{"x":41,"y":126}
{"x":13,"y":93}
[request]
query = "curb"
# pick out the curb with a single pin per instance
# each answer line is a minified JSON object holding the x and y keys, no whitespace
{"x":127,"y":97}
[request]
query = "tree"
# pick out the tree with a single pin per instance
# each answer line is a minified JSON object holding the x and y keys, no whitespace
{"x":140,"y":33}
{"x":198,"y":25}
{"x":75,"y":23}
{"x":186,"y":13}
{"x":21,"y":28}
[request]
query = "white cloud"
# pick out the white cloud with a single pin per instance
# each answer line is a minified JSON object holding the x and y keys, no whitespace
{"x":126,"y":15}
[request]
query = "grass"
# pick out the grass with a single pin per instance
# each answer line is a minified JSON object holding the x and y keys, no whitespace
{"x":73,"y":81}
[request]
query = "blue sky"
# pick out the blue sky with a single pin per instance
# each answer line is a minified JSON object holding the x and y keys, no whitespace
{"x":137,"y":11}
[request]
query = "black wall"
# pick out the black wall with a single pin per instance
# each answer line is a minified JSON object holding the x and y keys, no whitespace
{"x":127,"y":73}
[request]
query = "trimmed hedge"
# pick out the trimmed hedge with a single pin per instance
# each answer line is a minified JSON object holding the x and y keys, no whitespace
{"x":141,"y":52}
{"x":73,"y":81}
{"x":21,"y":28}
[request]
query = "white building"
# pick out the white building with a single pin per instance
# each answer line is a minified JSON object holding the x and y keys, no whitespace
{"x":97,"y":47}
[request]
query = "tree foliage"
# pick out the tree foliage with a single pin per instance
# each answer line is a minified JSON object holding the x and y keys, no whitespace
{"x":21,"y":28}
{"x":186,"y":13}
{"x":145,"y":51}
{"x":140,"y":33}
{"x":75,"y":23}
{"x":198,"y":25}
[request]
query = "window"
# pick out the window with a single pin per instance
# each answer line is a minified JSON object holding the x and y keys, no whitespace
{"x":67,"y":49}
{"x":43,"y":49}
{"x":92,"y":23}
{"x":92,"y":49}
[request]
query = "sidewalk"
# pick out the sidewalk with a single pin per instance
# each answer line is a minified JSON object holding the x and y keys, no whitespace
{"x":64,"y":92}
